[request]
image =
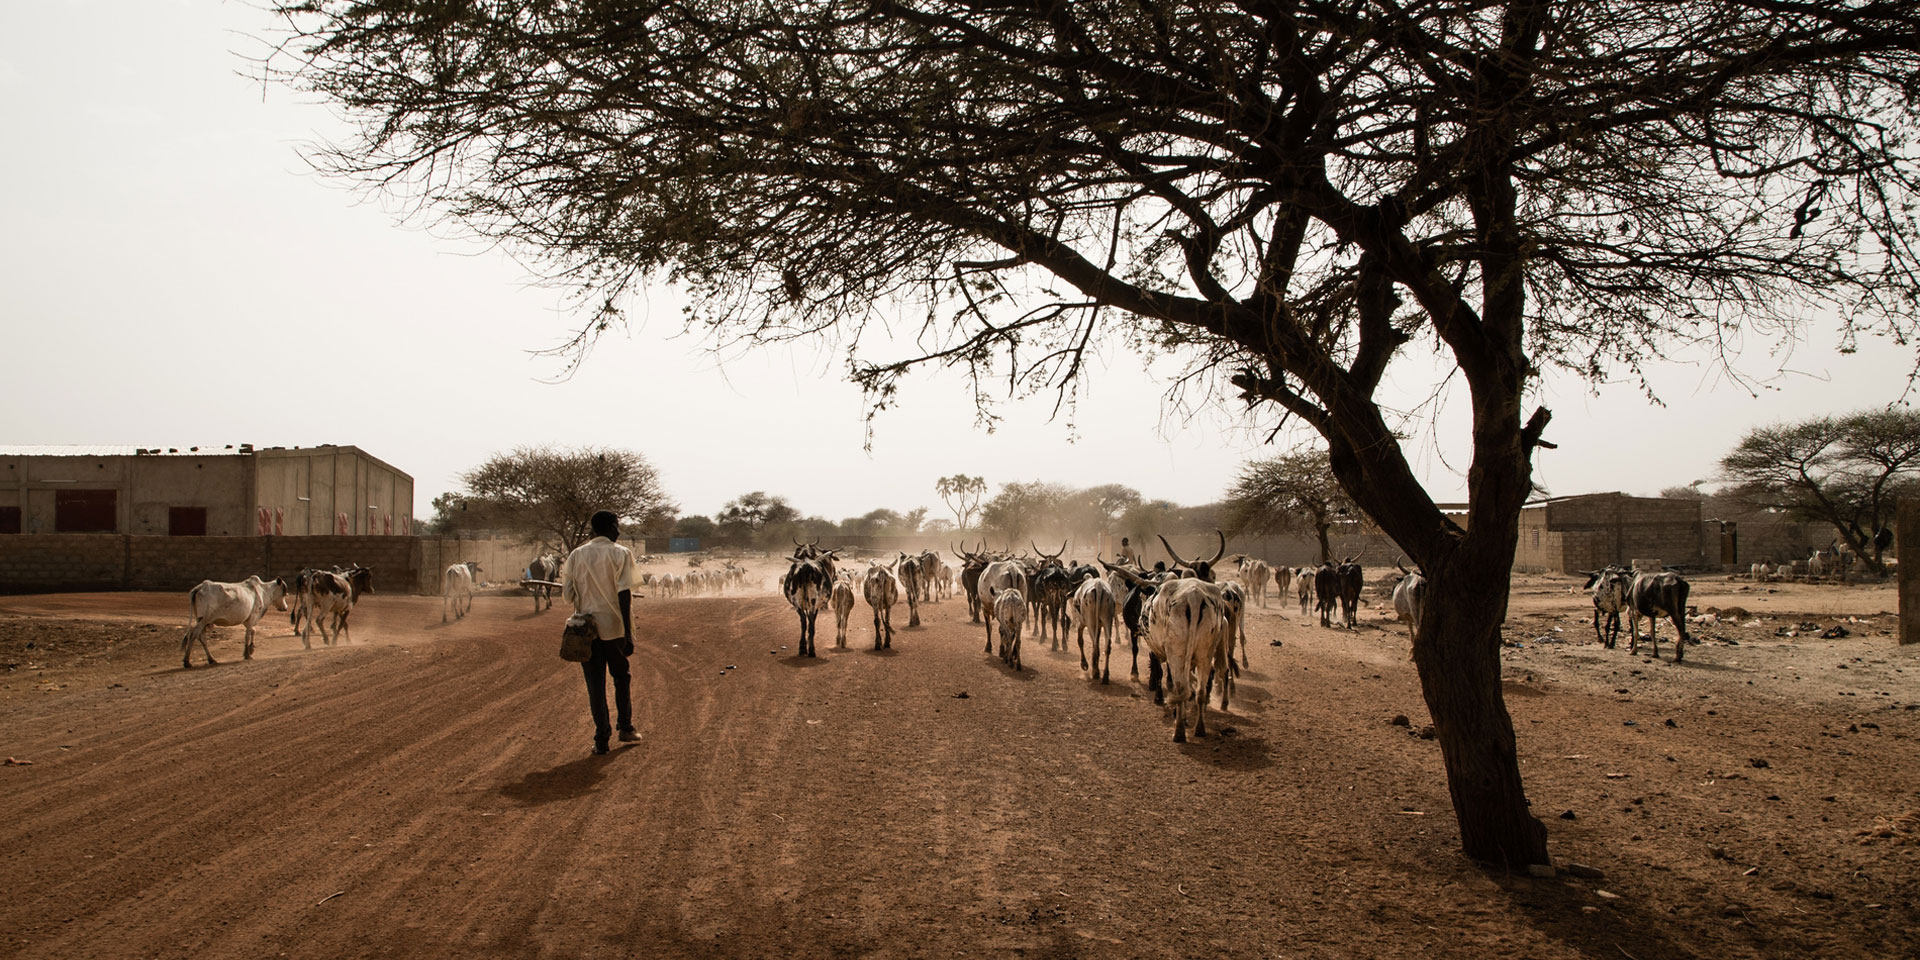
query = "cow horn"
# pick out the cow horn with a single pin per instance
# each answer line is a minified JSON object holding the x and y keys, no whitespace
{"x":1171,"y":552}
{"x":1125,"y":574}
{"x":1217,"y":554}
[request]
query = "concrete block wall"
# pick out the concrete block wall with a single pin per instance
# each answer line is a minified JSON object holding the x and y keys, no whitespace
{"x":56,"y":563}
{"x":62,"y":561}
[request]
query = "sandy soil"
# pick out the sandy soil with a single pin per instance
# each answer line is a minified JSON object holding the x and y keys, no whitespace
{"x":427,"y":791}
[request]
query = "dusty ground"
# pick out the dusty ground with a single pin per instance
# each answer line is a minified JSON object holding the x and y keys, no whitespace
{"x":427,"y":792}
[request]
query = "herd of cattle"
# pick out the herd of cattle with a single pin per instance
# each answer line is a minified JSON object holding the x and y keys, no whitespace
{"x":1190,"y":619}
{"x":314,"y":598}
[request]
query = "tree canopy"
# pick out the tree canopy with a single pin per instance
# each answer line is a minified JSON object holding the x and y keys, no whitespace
{"x":1286,"y":194}
{"x":548,"y":495}
{"x":1844,"y":471}
{"x":962,"y":494}
{"x":1291,"y":492}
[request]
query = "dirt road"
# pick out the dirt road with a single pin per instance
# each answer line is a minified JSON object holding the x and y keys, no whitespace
{"x":427,"y":792}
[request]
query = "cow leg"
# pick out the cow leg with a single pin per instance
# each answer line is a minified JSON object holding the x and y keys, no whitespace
{"x":248,"y":654}
{"x":889,"y":622}
{"x":186,"y":648}
{"x":1680,"y":644}
{"x":989,"y":632}
{"x":1153,"y":679}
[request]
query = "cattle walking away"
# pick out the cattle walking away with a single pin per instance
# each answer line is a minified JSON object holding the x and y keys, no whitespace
{"x":1009,"y":612}
{"x":1092,"y":610}
{"x":329,"y":598}
{"x":808,"y":587}
{"x":545,"y":567}
{"x":883,"y":589}
{"x":456,"y":590}
{"x":842,"y":603}
{"x":216,"y":604}
{"x":998,"y":577}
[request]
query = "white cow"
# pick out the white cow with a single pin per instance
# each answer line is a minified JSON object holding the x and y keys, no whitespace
{"x":1010,"y":612}
{"x":217,"y":604}
{"x":456,"y":589}
{"x":841,"y":600}
{"x":998,"y":577}
{"x":1091,"y":609}
{"x":883,"y":589}
{"x":1186,"y":621}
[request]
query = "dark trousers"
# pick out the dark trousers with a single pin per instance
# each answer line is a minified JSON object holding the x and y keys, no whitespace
{"x":608,"y":657}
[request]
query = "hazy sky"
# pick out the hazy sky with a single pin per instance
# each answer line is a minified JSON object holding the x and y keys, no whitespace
{"x":174,"y":275}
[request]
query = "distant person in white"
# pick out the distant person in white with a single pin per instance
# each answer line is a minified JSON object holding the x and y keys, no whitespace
{"x":597,"y":580}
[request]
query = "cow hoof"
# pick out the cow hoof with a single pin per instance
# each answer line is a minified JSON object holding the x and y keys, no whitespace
{"x":186,"y":665}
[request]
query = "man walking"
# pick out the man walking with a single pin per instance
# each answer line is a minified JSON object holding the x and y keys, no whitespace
{"x":598,"y":580}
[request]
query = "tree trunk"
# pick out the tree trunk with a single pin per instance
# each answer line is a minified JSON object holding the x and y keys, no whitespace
{"x":1458,"y":655}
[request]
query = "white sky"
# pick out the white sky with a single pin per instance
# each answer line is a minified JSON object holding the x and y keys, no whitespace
{"x":173,"y":274}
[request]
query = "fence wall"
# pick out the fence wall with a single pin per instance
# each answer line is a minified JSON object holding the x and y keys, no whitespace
{"x":49,"y":563}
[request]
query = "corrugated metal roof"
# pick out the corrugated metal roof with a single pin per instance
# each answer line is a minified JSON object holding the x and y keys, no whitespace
{"x":111,"y":450}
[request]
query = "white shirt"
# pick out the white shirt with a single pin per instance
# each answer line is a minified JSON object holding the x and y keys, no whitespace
{"x":591,"y":580}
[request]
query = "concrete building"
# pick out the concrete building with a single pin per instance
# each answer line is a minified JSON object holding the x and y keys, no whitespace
{"x":1568,"y":534}
{"x":228,"y":491}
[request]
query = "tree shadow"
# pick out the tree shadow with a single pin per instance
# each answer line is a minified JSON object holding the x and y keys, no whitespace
{"x":575,"y":778}
{"x":1563,"y":912}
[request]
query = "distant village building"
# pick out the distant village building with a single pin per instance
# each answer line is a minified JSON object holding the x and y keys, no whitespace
{"x":232,"y":491}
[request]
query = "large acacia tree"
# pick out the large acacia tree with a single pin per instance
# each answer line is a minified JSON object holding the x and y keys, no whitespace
{"x":549,"y":495}
{"x":1293,"y":194}
{"x":1846,"y":472}
{"x":1291,"y":492}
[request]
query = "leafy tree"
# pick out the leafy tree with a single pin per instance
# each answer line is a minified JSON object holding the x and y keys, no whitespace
{"x":1287,"y":195}
{"x":962,"y":495}
{"x":1295,"y":492}
{"x":750,"y":514}
{"x":1845,"y":472}
{"x":1022,"y":511}
{"x":695,"y":526}
{"x":548,"y":495}
{"x":871,"y":523}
